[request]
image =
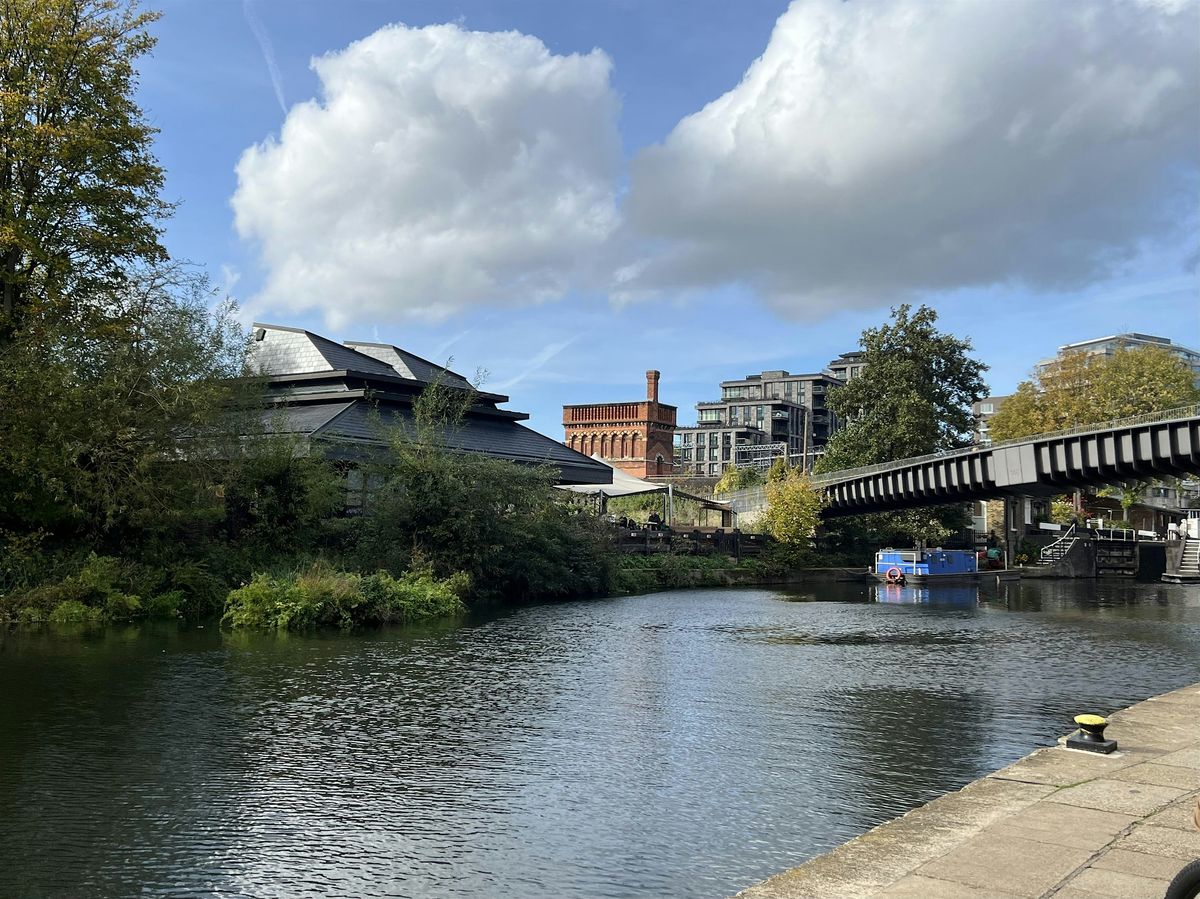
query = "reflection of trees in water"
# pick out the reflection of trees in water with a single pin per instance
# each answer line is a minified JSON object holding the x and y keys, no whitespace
{"x":1100,"y":598}
{"x":94,"y":735}
{"x":903,"y":745}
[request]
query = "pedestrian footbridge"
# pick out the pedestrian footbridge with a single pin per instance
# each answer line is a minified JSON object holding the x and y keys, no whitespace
{"x":1161,"y":444}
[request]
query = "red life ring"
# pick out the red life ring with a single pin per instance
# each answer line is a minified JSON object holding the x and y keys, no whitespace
{"x":894,"y":575}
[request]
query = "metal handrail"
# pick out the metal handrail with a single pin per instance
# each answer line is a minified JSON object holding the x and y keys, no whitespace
{"x":1049,"y":552}
{"x":1192,"y":411}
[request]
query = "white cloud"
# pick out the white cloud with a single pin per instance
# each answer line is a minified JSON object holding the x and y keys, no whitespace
{"x":880,"y":149}
{"x":441,"y":168}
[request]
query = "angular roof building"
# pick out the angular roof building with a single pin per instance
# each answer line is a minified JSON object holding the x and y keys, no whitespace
{"x":343,"y":398}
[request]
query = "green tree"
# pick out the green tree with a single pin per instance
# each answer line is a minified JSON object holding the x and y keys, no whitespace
{"x":79,"y":185}
{"x":1080,"y":389}
{"x":119,"y":425}
{"x":499,"y":522}
{"x":793,"y":508}
{"x":733,"y":478}
{"x":913,"y":397}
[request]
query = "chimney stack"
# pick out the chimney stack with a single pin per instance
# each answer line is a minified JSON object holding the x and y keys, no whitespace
{"x":652,"y":386}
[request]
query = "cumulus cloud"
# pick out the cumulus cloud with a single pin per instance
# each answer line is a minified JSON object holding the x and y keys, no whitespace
{"x":441,"y":168}
{"x":881,"y":149}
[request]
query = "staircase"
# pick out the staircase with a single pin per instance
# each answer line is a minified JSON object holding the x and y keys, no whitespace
{"x":1188,"y":569}
{"x":1057,"y":551}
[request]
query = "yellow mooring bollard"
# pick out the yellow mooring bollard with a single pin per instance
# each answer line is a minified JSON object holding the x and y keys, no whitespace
{"x":1090,"y":736}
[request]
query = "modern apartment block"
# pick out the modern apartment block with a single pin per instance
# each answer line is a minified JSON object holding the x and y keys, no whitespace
{"x":1107,"y":346}
{"x":759,"y":418}
{"x":848,"y":366}
{"x":807,"y":390}
{"x":734,"y":433}
{"x":983,"y":410}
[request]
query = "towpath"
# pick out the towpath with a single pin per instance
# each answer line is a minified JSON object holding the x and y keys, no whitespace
{"x":1059,"y":823}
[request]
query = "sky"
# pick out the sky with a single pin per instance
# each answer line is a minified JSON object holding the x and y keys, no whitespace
{"x":561,"y":195}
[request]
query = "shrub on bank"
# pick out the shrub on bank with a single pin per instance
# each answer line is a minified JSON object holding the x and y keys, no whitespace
{"x":325,"y":597}
{"x":98,"y":589}
{"x":666,"y":571}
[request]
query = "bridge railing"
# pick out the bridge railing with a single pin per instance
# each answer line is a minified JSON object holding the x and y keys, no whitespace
{"x":1149,"y":418}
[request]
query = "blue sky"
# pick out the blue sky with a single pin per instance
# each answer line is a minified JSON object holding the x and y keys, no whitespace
{"x":856,"y":155}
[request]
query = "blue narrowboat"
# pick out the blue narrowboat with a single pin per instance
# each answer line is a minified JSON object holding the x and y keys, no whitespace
{"x":921,"y":566}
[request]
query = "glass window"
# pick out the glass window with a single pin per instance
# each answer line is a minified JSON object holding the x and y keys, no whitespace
{"x":986,"y":408}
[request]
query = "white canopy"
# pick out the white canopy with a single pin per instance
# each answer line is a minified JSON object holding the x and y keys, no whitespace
{"x":623,"y":484}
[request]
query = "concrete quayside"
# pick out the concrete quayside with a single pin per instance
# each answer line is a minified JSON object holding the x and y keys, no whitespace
{"x":1059,"y":823}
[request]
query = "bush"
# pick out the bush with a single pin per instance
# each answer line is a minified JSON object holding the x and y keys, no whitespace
{"x":166,"y":605}
{"x":737,"y":479}
{"x":325,"y":597}
{"x":101,"y":586}
{"x":72,"y":611}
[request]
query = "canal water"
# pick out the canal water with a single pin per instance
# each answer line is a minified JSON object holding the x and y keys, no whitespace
{"x":684,"y":744}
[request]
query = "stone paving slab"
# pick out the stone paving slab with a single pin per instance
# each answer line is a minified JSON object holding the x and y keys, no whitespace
{"x":1139,"y":863}
{"x":1058,"y":823}
{"x":1101,"y":882}
{"x":1112,"y":795}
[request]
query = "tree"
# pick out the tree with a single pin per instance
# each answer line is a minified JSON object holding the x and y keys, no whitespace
{"x":913,"y":397}
{"x":79,"y":185}
{"x":499,"y":522}
{"x":793,"y":508}
{"x":1080,"y":389}
{"x":105,"y":427}
{"x":733,"y":478}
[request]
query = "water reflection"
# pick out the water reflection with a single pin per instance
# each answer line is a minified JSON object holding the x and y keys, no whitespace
{"x":684,"y":744}
{"x":949,"y":595}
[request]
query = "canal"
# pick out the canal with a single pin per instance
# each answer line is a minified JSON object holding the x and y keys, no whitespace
{"x":684,"y":744}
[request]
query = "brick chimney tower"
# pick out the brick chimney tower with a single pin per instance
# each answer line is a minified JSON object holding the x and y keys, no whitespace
{"x":652,"y":385}
{"x":637,"y":437}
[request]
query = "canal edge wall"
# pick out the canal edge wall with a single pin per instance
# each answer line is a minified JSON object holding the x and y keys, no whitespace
{"x":1057,"y":823}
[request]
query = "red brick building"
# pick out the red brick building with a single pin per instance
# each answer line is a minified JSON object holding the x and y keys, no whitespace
{"x":637,"y":437}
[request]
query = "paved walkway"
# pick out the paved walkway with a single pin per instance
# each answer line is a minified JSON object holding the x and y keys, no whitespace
{"x":1060,"y":823}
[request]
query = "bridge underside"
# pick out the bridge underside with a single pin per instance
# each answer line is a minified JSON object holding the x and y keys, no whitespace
{"x":1043,"y":466}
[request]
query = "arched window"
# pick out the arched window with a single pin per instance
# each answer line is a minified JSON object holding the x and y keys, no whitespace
{"x":658,"y":464}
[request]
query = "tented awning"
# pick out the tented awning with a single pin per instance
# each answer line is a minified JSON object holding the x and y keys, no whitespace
{"x":625,"y":484}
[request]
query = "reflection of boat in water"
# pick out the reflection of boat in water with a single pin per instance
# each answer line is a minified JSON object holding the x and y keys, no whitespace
{"x":936,"y":595}
{"x":920,"y":566}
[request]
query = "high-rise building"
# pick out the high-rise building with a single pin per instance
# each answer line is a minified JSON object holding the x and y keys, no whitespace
{"x":807,"y":390}
{"x":983,"y":410}
{"x":759,"y":418}
{"x":742,"y":434}
{"x":1107,"y":346}
{"x":848,"y":366}
{"x":636,"y":437}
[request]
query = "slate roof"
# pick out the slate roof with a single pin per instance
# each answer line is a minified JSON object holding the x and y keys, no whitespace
{"x":363,"y":395}
{"x":277,"y":350}
{"x":410,"y":365}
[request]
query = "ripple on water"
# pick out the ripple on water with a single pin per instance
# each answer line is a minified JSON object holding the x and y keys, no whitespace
{"x":682,"y":744}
